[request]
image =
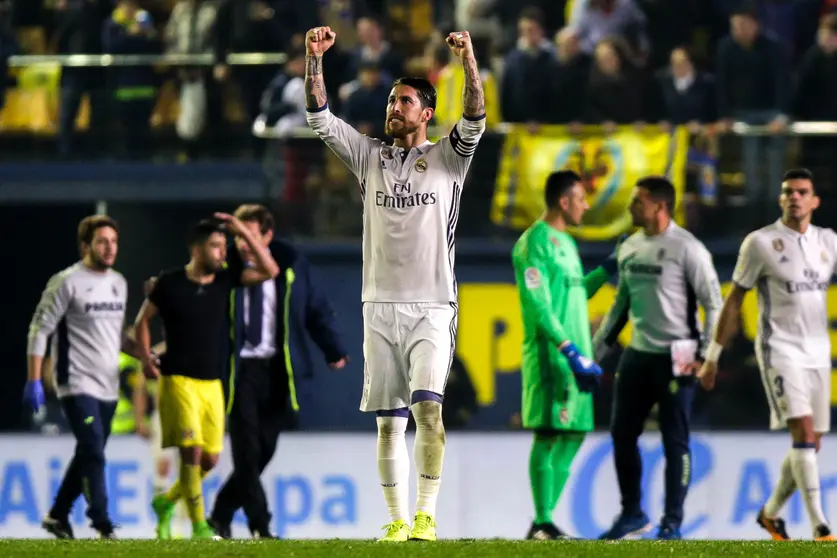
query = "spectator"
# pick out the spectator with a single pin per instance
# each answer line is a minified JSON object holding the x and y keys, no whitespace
{"x":527,"y":89}
{"x":571,"y":75}
{"x":479,"y":17}
{"x":614,"y":93}
{"x":687,"y":95}
{"x":257,"y":26}
{"x":816,"y":101}
{"x":131,"y":31}
{"x":436,"y":57}
{"x":283,"y":110}
{"x":753,"y":81}
{"x":670,"y":23}
{"x":373,"y":48}
{"x":189,"y":31}
{"x":368,"y":102}
{"x":596,"y":20}
{"x":283,"y":101}
{"x":8,"y":47}
{"x":80,"y":32}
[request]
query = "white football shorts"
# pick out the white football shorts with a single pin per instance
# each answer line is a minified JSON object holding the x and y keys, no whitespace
{"x":794,"y":391}
{"x":406,"y":348}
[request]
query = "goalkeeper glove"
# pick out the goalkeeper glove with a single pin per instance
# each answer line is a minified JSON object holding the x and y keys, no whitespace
{"x":585,"y":370}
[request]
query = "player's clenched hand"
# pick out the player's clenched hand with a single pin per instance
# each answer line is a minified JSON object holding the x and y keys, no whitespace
{"x":234,"y":225}
{"x":585,"y":370}
{"x":707,"y":374}
{"x":318,"y":40}
{"x":340,"y":364}
{"x":460,"y":43}
{"x":151,"y":367}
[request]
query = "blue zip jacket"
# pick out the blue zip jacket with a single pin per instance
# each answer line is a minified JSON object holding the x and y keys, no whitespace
{"x":302,"y":307}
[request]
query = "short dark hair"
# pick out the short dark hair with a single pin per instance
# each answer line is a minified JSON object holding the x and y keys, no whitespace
{"x":203,"y":229}
{"x":251,"y":212}
{"x":532,"y":13}
{"x":88,"y":226}
{"x":746,"y":8}
{"x":660,"y":189}
{"x":424,"y":89}
{"x":798,"y":174}
{"x":558,"y":185}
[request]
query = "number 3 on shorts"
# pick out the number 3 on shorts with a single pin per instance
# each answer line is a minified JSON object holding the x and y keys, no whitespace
{"x":778,"y":382}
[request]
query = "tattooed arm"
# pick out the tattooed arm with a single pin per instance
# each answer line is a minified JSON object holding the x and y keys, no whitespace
{"x":315,"y":92}
{"x":350,"y":146}
{"x":459,"y":147}
{"x":317,"y":41}
{"x":473,"y":102}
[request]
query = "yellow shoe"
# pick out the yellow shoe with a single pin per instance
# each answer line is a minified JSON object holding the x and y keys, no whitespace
{"x":424,"y":528}
{"x":397,"y":531}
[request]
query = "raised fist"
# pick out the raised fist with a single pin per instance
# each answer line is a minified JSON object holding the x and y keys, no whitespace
{"x":460,"y":43}
{"x":318,"y":40}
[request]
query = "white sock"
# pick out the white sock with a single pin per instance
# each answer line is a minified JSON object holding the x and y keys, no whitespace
{"x":394,"y":465}
{"x":783,"y":491}
{"x":429,"y":454}
{"x":807,"y":476}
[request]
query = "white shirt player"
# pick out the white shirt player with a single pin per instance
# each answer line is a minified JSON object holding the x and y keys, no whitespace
{"x":411,"y":207}
{"x":791,"y":272}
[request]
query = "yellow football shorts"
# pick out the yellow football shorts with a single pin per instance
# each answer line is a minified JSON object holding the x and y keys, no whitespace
{"x":192,"y":413}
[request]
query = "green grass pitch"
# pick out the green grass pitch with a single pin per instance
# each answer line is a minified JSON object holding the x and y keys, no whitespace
{"x":441,"y":549}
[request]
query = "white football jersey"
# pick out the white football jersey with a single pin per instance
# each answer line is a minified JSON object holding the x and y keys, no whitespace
{"x":791,"y":272}
{"x":410,"y":207}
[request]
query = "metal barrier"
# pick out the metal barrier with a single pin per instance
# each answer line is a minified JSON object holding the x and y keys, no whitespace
{"x":95,"y":60}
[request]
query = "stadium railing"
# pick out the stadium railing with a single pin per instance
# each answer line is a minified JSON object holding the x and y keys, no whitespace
{"x":717,"y":194}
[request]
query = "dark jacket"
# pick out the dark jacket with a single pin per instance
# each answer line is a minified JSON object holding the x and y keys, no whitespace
{"x":302,"y":307}
{"x":131,"y":82}
{"x":815,"y":97}
{"x":527,"y":90}
{"x":754,"y":79}
{"x":696,"y":103}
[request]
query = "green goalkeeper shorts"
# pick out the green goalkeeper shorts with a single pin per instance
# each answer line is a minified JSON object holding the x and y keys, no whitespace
{"x":544,"y":409}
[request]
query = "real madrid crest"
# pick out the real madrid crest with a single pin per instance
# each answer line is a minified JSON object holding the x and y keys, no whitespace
{"x":778,"y":245}
{"x":564,"y":416}
{"x":421,"y":165}
{"x":386,"y":153}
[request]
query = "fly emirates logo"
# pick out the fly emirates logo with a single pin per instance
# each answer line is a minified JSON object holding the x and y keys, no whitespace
{"x":403,"y":197}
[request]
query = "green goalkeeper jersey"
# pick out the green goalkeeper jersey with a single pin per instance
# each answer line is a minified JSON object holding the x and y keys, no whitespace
{"x":553,"y":294}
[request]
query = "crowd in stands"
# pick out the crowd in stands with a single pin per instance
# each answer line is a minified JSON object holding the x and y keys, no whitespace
{"x":699,"y":63}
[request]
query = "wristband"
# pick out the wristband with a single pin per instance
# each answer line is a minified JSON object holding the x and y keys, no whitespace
{"x":713,"y":352}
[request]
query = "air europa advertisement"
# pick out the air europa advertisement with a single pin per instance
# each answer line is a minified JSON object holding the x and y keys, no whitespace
{"x":326,"y":486}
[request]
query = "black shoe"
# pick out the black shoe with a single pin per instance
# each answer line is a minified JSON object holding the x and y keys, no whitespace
{"x":223,"y":531}
{"x":106,"y":530}
{"x":545,"y":532}
{"x":59,"y":528}
{"x":263,"y":534}
{"x":775,"y":526}
{"x":823,"y":533}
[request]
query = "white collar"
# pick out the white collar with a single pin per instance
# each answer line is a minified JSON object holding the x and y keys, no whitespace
{"x":787,"y":230}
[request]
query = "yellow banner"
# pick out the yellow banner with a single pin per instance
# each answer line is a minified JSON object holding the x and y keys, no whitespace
{"x":609,"y":165}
